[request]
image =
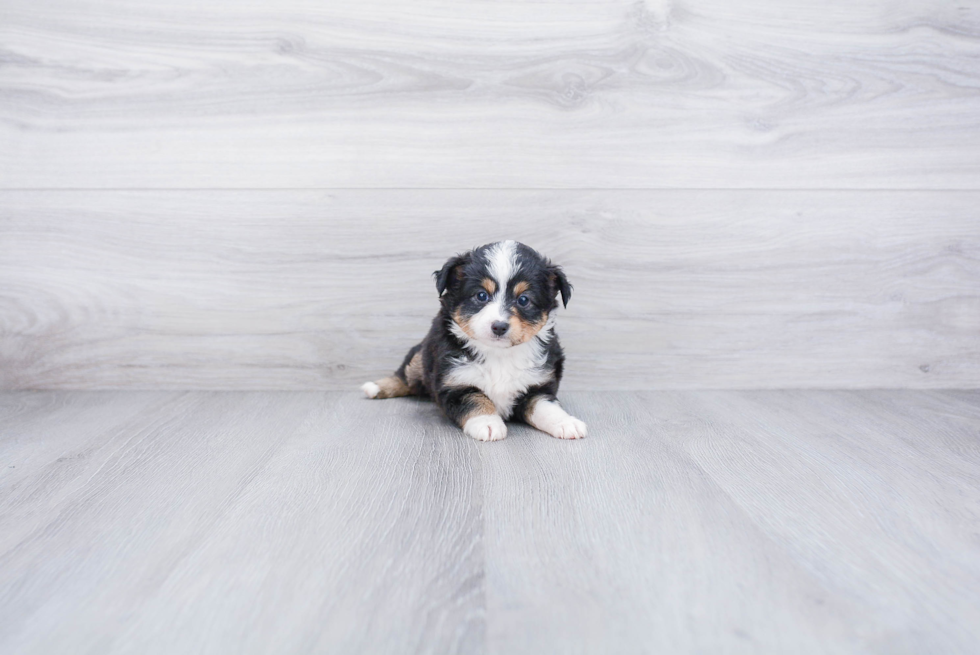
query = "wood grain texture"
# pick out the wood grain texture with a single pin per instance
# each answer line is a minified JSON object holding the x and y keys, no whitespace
{"x":819,"y":511}
{"x":246,"y":523}
{"x":309,"y":289}
{"x":514,"y":94}
{"x":296,"y":522}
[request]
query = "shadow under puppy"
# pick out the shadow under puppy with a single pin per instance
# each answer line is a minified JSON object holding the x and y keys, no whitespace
{"x":492,"y":352}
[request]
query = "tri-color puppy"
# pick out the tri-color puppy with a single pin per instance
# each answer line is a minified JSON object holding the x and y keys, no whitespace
{"x":492,"y":352}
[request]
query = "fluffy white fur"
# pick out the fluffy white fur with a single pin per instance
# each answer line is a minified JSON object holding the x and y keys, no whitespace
{"x":551,"y":418}
{"x":503,"y":263}
{"x":502,"y":374}
{"x":487,"y":427}
{"x":370,"y":389}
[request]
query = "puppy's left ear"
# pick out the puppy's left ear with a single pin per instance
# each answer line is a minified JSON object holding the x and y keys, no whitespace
{"x":560,"y":284}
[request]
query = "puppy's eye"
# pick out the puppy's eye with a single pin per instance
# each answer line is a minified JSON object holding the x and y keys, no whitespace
{"x":523,"y":301}
{"x":482,"y":296}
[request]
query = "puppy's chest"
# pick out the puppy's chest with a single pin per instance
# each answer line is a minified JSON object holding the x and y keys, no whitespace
{"x":503,"y":378}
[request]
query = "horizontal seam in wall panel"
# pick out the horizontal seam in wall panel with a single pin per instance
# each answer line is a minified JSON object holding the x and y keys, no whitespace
{"x":589,"y":189}
{"x":354,"y":389}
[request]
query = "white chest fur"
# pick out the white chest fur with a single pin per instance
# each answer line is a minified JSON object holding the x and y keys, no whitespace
{"x":503,"y":374}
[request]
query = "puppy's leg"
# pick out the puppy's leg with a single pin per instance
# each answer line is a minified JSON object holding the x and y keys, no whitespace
{"x":544,"y":413}
{"x":471,"y":410}
{"x":406,"y":381}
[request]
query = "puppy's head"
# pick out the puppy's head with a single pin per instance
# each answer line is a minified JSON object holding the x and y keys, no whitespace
{"x":501,"y":294}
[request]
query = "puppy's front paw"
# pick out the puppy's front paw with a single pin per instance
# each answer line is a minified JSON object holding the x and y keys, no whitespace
{"x":486,"y":427}
{"x":568,"y":428}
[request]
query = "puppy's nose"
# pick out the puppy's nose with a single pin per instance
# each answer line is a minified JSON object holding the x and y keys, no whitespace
{"x":500,"y":327}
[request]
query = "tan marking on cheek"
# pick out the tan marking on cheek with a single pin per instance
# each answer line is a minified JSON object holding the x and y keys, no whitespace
{"x":413,"y":372}
{"x":464,"y":324}
{"x":482,"y":406}
{"x":392,"y":387}
{"x":489,"y":285}
{"x":520,"y":288}
{"x":517,"y":330}
{"x":522,"y":331}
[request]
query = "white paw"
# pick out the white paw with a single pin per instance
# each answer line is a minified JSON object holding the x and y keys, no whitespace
{"x":486,"y":427}
{"x":568,"y":428}
{"x":370,"y":389}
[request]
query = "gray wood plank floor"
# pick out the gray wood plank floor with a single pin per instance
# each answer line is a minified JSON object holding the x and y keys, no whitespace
{"x":292,"y":522}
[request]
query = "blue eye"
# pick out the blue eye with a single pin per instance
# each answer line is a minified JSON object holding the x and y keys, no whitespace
{"x":482,"y":296}
{"x":523,"y":301}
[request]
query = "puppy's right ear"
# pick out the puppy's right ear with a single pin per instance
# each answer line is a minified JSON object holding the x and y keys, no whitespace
{"x":450,"y":273}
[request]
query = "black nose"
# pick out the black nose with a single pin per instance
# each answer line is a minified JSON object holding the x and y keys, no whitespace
{"x":500,"y":327}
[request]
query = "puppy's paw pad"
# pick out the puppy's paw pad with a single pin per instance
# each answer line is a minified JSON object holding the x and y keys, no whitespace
{"x":370,"y":389}
{"x":570,"y":428}
{"x":487,"y":427}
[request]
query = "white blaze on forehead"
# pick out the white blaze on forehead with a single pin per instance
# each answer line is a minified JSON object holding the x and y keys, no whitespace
{"x":502,"y":260}
{"x":501,"y":265}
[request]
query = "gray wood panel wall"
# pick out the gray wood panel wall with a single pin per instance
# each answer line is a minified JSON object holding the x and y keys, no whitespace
{"x":253,"y":194}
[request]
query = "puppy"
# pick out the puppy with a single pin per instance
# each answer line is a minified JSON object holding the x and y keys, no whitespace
{"x":492,"y":352}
